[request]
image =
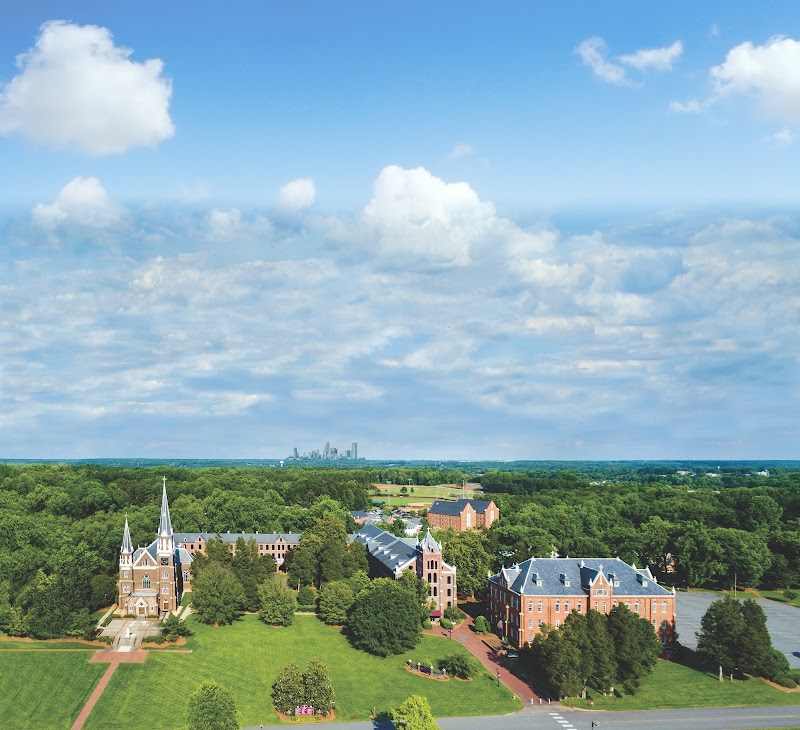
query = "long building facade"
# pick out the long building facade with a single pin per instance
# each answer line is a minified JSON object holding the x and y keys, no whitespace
{"x":542,"y":591}
{"x":463,"y":514}
{"x":390,"y":556}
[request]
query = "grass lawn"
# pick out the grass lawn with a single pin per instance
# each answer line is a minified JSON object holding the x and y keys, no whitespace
{"x":673,"y":685}
{"x":246,"y":657}
{"x":778,"y":596}
{"x":45,"y":689}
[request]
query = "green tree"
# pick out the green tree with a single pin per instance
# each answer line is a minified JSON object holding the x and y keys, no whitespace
{"x":482,"y":625}
{"x":304,"y":566}
{"x":172,"y":627}
{"x":355,"y":559}
{"x":287,"y":689}
{"x":333,"y":538}
{"x":217,"y":597}
{"x":468,"y":553}
{"x":335,"y":599}
{"x":277,"y":602}
{"x":359,"y":581}
{"x":637,"y":646}
{"x":317,"y":687}
{"x":604,"y":655}
{"x":414,"y":714}
{"x":720,"y":634}
{"x":251,"y":570}
{"x":559,"y":661}
{"x":755,"y":647}
{"x":212,"y":707}
{"x":384,"y":619}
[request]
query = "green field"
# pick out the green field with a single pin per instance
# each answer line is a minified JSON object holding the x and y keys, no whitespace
{"x":422,"y":497}
{"x":673,"y":685}
{"x":45,"y":689}
{"x":246,"y":657}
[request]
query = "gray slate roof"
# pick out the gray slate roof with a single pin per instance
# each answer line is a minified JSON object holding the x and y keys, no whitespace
{"x":393,"y":552}
{"x":231,"y":537}
{"x":580,"y":573}
{"x":443,"y":507}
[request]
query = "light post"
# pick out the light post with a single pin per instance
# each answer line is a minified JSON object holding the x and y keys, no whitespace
{"x":451,"y":632}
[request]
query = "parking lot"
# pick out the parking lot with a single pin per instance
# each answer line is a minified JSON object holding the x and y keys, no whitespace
{"x":782,"y":621}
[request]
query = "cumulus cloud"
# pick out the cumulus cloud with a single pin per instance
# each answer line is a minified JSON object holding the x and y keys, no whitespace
{"x":416,"y":216}
{"x":76,"y":89}
{"x":227,"y":224}
{"x":770,"y":73}
{"x":296,"y":195}
{"x":593,"y":54}
{"x":82,"y":201}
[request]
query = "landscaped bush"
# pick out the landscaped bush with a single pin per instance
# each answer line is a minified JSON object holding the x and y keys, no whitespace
{"x":306,"y":597}
{"x":785,"y":681}
{"x":446,"y":623}
{"x":482,"y":625}
{"x":426,"y":624}
{"x":454,"y":613}
{"x":458,"y":665}
{"x":794,"y":674}
{"x":790,"y":595}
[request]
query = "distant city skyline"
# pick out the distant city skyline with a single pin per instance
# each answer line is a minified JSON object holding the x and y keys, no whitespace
{"x":328,"y":453}
{"x":462,"y":231}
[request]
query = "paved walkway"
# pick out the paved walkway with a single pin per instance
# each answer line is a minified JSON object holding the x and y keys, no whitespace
{"x":114,"y":659}
{"x":484,"y":649}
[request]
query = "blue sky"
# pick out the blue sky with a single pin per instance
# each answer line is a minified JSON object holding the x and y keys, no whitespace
{"x":514,"y":230}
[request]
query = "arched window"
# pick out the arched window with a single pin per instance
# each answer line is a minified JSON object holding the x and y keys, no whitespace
{"x":636,"y":606}
{"x":580,"y":606}
{"x":530,"y":606}
{"x":655,"y":606}
{"x":566,"y":606}
{"x":146,"y":581}
{"x":186,"y":575}
{"x":539,"y":607}
{"x":628,"y":605}
{"x":558,"y":622}
{"x":558,"y":607}
{"x":664,"y":606}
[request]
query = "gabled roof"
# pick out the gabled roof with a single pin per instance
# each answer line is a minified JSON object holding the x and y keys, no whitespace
{"x":443,"y":507}
{"x":393,"y":552}
{"x":292,"y":538}
{"x":576,"y":576}
{"x":428,"y":544}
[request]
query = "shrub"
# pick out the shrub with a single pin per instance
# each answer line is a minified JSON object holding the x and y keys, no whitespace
{"x":785,"y":681}
{"x":794,"y":674}
{"x":790,"y":595}
{"x":446,"y":623}
{"x":426,"y":624}
{"x":306,"y":596}
{"x":458,"y":665}
{"x":454,"y":613}
{"x":482,"y":625}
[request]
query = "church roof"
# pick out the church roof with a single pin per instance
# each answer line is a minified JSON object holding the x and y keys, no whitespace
{"x":165,"y":524}
{"x":394,"y":552}
{"x":428,"y":544}
{"x":127,"y":545}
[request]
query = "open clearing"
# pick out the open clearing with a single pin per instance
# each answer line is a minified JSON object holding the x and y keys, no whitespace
{"x":246,"y":658}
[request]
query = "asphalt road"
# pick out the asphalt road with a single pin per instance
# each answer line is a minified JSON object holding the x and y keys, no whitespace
{"x":548,"y":718}
{"x":782,"y":622}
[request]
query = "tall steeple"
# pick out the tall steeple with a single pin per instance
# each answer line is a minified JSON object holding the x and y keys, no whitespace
{"x":127,"y":546}
{"x":166,"y":543}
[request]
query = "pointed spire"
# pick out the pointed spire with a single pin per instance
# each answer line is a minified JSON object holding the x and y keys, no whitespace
{"x":165,"y":526}
{"x":127,"y":545}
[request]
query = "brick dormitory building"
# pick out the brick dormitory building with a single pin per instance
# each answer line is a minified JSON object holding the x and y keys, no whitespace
{"x":541,"y":591}
{"x":463,"y":514}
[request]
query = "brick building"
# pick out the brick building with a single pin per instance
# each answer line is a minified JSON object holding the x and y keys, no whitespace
{"x":151,"y":579}
{"x":276,"y":544}
{"x":391,"y":556}
{"x":542,"y":591}
{"x":463,"y":514}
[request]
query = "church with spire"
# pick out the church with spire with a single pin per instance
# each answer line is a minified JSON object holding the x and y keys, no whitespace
{"x":152,"y":578}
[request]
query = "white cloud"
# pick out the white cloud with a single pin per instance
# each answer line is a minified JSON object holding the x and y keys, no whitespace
{"x":690,"y":107}
{"x":781,"y":138}
{"x":461,"y":150}
{"x":592,"y":53}
{"x":226,"y":224}
{"x":82,"y":201}
{"x":76,"y":89}
{"x":660,"y":59}
{"x":541,"y":273}
{"x":296,"y":195}
{"x":770,"y":72}
{"x":416,"y":216}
